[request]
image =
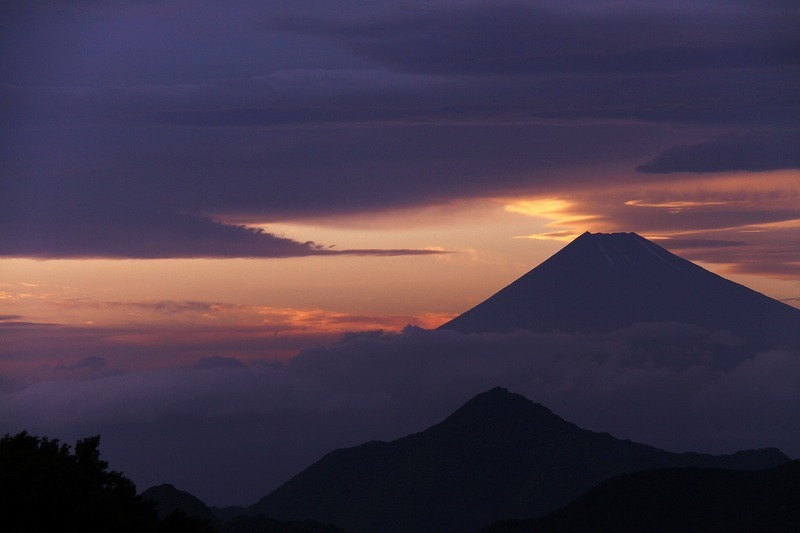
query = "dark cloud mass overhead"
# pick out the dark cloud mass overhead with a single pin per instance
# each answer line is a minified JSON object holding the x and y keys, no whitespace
{"x":151,"y":235}
{"x":566,"y":37}
{"x":752,"y":151}
{"x":142,"y":129}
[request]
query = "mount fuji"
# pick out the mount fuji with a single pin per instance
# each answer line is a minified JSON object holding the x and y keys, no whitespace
{"x":604,"y":282}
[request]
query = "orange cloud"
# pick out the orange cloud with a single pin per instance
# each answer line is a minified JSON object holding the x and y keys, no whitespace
{"x":248,"y":334}
{"x":561,"y":212}
{"x":145,"y":320}
{"x":700,"y":217}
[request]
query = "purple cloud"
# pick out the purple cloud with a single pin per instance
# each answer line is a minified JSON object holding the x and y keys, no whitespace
{"x":218,"y":362}
{"x":91,"y":362}
{"x":674,"y":243}
{"x":536,"y":37}
{"x":74,"y":232}
{"x":754,"y":151}
{"x":141,"y":129}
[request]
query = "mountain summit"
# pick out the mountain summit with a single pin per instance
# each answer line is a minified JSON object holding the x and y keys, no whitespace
{"x":608,"y":281}
{"x":498,"y":456}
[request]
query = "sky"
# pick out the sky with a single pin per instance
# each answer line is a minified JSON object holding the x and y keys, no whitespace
{"x":204,"y":202}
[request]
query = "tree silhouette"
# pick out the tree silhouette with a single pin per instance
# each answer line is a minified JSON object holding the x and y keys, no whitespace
{"x":46,"y":487}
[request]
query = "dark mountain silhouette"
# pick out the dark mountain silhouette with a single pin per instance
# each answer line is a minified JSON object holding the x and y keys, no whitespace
{"x":687,"y":500}
{"x":191,"y":515}
{"x":168,"y":499}
{"x":499,"y":456}
{"x":262,"y":524}
{"x":603,"y":282}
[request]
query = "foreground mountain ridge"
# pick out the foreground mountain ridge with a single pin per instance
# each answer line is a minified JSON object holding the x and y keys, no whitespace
{"x":499,"y":456}
{"x":685,"y":499}
{"x":603,"y":282}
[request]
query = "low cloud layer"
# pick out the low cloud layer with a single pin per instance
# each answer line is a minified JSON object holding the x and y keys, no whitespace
{"x":231,"y":432}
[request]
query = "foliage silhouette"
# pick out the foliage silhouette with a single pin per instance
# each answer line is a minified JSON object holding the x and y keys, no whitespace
{"x":46,"y":487}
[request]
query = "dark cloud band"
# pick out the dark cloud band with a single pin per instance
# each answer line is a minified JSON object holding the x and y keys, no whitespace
{"x":755,"y":151}
{"x":121,"y":142}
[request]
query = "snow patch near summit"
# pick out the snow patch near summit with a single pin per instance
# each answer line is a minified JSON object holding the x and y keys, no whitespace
{"x":605,"y":254}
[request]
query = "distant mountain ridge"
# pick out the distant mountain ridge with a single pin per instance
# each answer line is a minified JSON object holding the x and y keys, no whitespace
{"x":168,"y":499}
{"x":196,"y":517}
{"x":603,"y":282}
{"x":686,"y":499}
{"x":499,"y":456}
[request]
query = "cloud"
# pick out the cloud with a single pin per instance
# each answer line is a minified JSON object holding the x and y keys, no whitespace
{"x":754,"y":151}
{"x":147,"y":335}
{"x":218,"y":362}
{"x":92,"y":362}
{"x":175,"y":141}
{"x":13,"y":6}
{"x":169,"y":307}
{"x":741,"y":223}
{"x":268,"y":318}
{"x":99,"y":233}
{"x":157,"y":178}
{"x":538,"y":37}
{"x":670,"y":385}
{"x":684,"y":244}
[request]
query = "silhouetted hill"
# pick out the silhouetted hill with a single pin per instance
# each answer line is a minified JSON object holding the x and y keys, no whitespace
{"x":193,"y":515}
{"x":168,"y":499}
{"x":262,"y":524}
{"x":687,"y":500}
{"x":499,"y":456}
{"x":603,"y":282}
{"x":227,"y":513}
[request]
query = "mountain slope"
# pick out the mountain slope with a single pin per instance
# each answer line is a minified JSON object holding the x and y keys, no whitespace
{"x":168,"y":499}
{"x":499,"y":456}
{"x":688,"y":500}
{"x":195,"y":516}
{"x":602,"y":282}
